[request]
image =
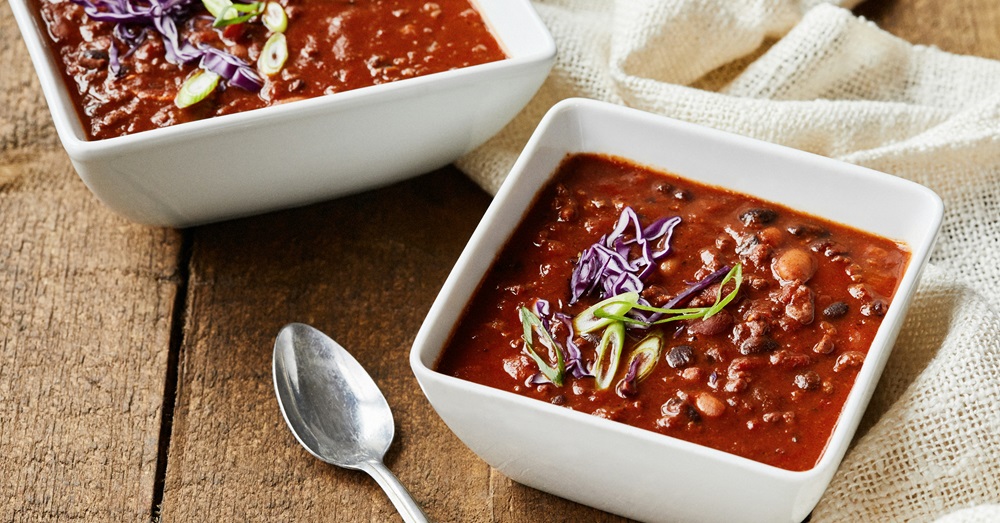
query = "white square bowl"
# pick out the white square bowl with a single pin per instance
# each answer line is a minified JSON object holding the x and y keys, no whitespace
{"x":304,"y":151}
{"x":622,"y":469}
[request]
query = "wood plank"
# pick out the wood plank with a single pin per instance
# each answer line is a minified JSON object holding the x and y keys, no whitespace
{"x":86,"y":304}
{"x":364,"y":269}
{"x":962,"y":27}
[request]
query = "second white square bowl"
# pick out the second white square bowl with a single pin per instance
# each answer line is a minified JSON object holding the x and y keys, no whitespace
{"x":622,"y":469}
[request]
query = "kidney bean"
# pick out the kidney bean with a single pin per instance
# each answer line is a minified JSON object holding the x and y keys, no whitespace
{"x":718,"y":324}
{"x":758,"y":345}
{"x":794,"y":265}
{"x":709,"y":406}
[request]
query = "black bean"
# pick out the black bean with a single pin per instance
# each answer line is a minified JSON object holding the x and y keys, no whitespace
{"x":757,"y":217}
{"x":692,"y":413}
{"x":807,"y":229}
{"x":680,"y":356}
{"x":835,"y":310}
{"x":758,"y":345}
{"x":97,"y":54}
{"x":558,"y":399}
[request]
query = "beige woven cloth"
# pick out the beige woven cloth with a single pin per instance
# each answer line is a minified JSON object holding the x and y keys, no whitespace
{"x":811,"y":75}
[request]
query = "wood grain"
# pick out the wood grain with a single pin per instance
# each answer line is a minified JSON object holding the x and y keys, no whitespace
{"x":364,"y":269}
{"x":962,"y":27}
{"x":100,"y":317}
{"x":86,"y":305}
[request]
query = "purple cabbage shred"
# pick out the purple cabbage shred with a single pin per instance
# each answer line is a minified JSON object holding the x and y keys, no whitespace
{"x":609,"y":266}
{"x":685,"y":296}
{"x":132,"y":18}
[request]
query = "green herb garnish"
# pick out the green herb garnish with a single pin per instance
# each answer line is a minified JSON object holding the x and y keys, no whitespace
{"x":238,"y":13}
{"x":533,"y":325}
{"x":609,"y":353}
{"x":196,"y":88}
{"x":605,"y":312}
{"x":273,"y":55}
{"x":274,"y":17}
{"x":611,"y":309}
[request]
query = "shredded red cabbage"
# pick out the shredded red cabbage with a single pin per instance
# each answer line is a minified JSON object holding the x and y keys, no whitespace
{"x":131,"y":18}
{"x":696,"y":287}
{"x":574,"y":358}
{"x":605,"y":266}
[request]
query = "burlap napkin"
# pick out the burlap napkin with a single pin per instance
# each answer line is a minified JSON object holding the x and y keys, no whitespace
{"x":810,"y":75}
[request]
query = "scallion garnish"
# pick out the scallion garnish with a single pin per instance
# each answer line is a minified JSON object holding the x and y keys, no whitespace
{"x":611,"y":310}
{"x":238,"y":13}
{"x":533,"y":325}
{"x":605,"y":312}
{"x":216,"y":7}
{"x":274,"y":17}
{"x":609,"y":352}
{"x":641,"y":363}
{"x":273,"y":55}
{"x":196,"y":88}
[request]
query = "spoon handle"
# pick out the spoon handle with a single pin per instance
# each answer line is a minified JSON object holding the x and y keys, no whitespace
{"x":400,"y":497}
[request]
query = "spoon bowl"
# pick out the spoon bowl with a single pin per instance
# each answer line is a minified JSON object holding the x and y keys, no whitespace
{"x":335,"y":410}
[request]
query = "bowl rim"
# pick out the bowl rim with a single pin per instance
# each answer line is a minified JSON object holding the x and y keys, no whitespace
{"x":864,"y":384}
{"x":70,"y":127}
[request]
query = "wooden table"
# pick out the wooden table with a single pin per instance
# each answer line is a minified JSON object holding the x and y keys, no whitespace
{"x":135,"y":361}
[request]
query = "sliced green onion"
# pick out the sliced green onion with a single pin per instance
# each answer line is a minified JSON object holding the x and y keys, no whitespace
{"x":274,"y":17}
{"x":609,"y":353}
{"x":647,"y":352}
{"x":608,"y":314}
{"x":641,"y":363}
{"x":216,"y":7}
{"x":196,"y":88}
{"x":736,"y":274}
{"x":678,"y":314}
{"x":533,"y":325}
{"x":273,"y":55}
{"x":605,"y":312}
{"x":238,"y":13}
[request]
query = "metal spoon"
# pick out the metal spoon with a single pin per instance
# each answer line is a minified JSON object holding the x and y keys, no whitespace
{"x":335,"y":410}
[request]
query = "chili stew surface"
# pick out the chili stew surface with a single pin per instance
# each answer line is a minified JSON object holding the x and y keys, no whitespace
{"x":333,"y":46}
{"x":765,"y":377}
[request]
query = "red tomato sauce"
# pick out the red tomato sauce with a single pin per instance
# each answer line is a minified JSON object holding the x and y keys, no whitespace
{"x":333,"y":46}
{"x":765,"y":379}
